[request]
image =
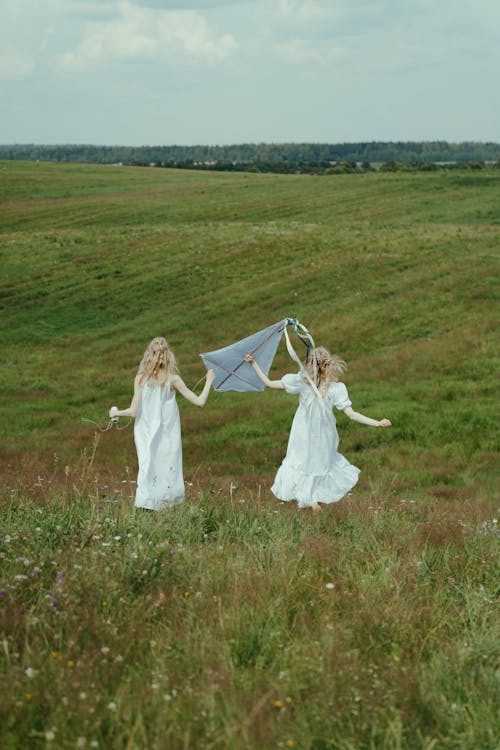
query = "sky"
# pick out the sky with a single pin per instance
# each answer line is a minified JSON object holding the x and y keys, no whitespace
{"x":166,"y":72}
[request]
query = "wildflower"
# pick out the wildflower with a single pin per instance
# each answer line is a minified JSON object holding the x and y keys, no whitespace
{"x":104,"y":604}
{"x":105,"y":650}
{"x":70,"y":664}
{"x":30,"y":673}
{"x":278,"y":704}
{"x":112,"y":706}
{"x":81,"y":742}
{"x":288,"y":699}
{"x":290,"y":743}
{"x":59,"y":576}
{"x":330,"y":585}
{"x":55,"y":655}
{"x":28,"y":696}
{"x":50,"y":735}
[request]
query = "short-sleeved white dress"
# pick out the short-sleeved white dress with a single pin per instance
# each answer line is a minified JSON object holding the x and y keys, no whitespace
{"x":313,"y":471}
{"x":157,"y":435}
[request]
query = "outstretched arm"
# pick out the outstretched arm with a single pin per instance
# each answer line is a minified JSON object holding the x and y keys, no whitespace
{"x":357,"y":417}
{"x":262,"y":376}
{"x":132,"y":409}
{"x":200,"y":400}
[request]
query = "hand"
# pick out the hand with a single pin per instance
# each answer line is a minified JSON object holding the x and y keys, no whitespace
{"x":249,"y":358}
{"x":385,"y":423}
{"x":210,"y":376}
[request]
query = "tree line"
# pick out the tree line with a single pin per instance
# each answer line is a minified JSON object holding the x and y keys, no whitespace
{"x":319,"y":158}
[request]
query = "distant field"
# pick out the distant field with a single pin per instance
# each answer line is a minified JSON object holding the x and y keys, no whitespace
{"x":398,"y":273}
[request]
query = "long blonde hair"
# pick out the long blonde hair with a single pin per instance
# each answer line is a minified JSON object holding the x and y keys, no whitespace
{"x":323,"y":367}
{"x":158,"y":363}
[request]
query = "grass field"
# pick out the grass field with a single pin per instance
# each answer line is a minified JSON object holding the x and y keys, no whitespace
{"x":212,"y":626}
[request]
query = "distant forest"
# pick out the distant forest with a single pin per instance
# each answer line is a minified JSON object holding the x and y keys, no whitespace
{"x":313,"y":158}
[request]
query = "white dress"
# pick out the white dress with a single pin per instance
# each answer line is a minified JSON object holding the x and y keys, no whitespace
{"x":157,"y":435}
{"x":313,"y":471}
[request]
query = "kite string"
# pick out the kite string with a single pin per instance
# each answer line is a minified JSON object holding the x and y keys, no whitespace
{"x":109,"y":426}
{"x":101,"y":429}
{"x":199,"y":381}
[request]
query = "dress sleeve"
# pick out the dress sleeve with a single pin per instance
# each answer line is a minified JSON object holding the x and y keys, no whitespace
{"x":292,"y":383}
{"x":341,"y":398}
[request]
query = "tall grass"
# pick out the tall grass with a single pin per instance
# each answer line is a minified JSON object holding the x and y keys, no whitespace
{"x":236,"y":623}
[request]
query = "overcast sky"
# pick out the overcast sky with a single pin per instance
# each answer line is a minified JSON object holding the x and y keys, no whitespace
{"x":148,"y":72}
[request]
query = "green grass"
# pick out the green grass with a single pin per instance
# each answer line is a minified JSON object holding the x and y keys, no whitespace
{"x":215,"y":611}
{"x":218,"y":625}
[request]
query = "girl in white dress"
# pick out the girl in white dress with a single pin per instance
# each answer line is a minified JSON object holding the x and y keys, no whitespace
{"x":157,"y":429}
{"x":313,"y":471}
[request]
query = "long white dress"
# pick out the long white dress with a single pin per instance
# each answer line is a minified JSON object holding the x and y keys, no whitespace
{"x":157,"y":435}
{"x":313,"y":471}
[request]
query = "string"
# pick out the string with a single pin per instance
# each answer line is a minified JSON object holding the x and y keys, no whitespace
{"x":112,"y":422}
{"x":199,"y":381}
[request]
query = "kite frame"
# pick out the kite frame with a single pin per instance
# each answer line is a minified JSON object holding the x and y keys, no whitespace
{"x":302,"y":333}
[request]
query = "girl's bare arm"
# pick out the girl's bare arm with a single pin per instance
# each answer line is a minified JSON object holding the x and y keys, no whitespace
{"x":357,"y":417}
{"x":277,"y":384}
{"x":134,"y":405}
{"x":188,"y":394}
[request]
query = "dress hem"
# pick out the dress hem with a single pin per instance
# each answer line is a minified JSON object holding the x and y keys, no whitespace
{"x":158,"y":504}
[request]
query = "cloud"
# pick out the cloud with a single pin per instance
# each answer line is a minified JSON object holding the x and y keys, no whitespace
{"x":147,"y":35}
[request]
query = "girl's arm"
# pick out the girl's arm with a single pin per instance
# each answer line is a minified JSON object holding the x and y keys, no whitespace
{"x":132,"y":409}
{"x":200,"y":400}
{"x":357,"y":417}
{"x":269,"y":383}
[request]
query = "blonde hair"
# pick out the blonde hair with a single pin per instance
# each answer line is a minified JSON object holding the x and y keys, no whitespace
{"x":323,"y":367}
{"x":158,"y":363}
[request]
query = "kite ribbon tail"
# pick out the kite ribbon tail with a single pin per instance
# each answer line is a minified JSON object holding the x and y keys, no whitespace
{"x":293,"y":354}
